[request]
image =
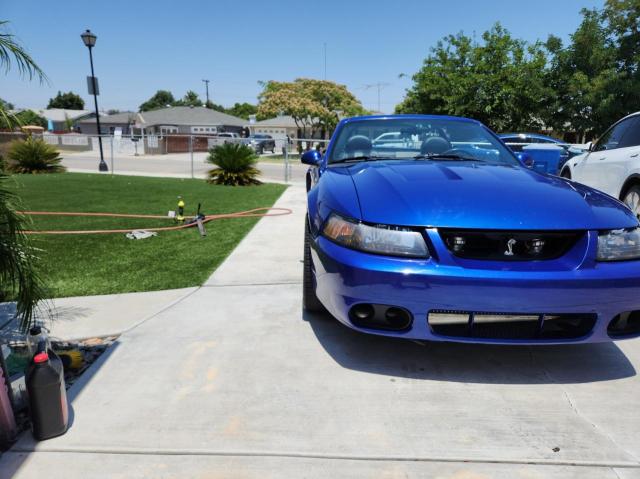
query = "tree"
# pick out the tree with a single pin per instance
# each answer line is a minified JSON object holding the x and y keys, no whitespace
{"x":242,"y":110}
{"x":499,"y":81}
{"x":161,"y":99}
{"x":6,"y":105}
{"x":18,"y":274}
{"x":583,"y":76}
{"x":67,"y":101}
{"x":215,"y":106}
{"x":596,"y":77}
{"x":315,"y":105}
{"x":190,"y":98}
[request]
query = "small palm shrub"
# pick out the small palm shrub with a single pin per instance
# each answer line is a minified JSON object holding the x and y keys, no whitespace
{"x":33,"y":155}
{"x":235,"y":165}
{"x":19,"y":279}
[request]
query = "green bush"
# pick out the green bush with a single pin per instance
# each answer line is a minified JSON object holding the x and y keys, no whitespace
{"x":3,"y":165}
{"x":34,"y":156}
{"x":235,"y":165}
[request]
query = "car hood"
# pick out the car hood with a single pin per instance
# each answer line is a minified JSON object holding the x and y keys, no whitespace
{"x":477,"y":195}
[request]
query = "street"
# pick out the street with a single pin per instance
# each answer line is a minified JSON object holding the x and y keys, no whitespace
{"x":172,"y":165}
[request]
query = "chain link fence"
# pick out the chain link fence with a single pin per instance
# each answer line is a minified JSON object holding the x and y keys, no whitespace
{"x":174,"y":155}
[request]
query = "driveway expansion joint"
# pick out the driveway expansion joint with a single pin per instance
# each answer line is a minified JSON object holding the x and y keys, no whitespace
{"x":339,"y":457}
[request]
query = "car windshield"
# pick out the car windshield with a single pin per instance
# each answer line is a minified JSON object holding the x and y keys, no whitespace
{"x":422,"y":138}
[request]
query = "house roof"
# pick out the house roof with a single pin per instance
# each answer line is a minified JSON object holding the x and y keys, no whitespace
{"x":123,"y":117}
{"x":176,"y":115}
{"x":61,"y":114}
{"x":284,"y":121}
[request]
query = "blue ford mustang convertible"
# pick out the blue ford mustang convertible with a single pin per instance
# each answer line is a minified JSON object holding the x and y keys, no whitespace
{"x":428,"y":227}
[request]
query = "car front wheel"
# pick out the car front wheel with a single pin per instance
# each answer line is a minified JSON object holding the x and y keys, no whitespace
{"x":632,"y":200}
{"x":310,"y":301}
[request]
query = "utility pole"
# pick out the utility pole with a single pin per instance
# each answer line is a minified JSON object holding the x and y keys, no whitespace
{"x":206,"y":82}
{"x":325,"y":61}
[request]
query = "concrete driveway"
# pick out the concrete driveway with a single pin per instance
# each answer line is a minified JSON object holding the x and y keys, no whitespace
{"x":235,"y":381}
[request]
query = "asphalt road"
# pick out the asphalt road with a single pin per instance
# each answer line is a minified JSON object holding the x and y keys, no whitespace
{"x":235,"y":381}
{"x":172,"y":165}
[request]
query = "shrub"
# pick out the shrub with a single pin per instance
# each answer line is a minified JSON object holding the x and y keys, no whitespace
{"x":3,"y":164}
{"x":33,"y":155}
{"x":19,"y":279}
{"x":235,"y":165}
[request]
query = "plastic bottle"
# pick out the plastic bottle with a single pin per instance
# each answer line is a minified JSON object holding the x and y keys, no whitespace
{"x":36,"y":334}
{"x":47,"y":394}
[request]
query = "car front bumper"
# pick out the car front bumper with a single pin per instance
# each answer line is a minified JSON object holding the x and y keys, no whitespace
{"x":345,"y":278}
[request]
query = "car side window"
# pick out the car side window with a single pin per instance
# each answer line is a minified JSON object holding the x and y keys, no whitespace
{"x":613,"y":136}
{"x":632,"y":134}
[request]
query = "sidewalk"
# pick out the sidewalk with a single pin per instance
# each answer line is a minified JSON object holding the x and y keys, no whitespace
{"x":96,"y":316}
{"x":235,"y":381}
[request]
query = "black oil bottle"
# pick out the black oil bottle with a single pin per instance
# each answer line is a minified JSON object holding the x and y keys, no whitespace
{"x":48,"y":407}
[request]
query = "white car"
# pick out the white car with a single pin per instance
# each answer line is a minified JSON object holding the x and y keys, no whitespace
{"x":612,"y":164}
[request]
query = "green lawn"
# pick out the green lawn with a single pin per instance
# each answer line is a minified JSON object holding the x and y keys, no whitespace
{"x":101,"y":264}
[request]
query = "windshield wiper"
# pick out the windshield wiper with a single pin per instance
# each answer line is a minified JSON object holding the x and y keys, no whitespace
{"x":359,"y":158}
{"x":445,"y":156}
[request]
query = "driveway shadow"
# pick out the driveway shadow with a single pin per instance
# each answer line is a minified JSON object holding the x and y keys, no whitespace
{"x":469,"y":363}
{"x":45,"y":315}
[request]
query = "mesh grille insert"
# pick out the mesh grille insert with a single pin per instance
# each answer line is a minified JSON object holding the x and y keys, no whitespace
{"x":464,"y":324}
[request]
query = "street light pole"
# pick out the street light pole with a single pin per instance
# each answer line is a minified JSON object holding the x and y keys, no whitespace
{"x":89,"y":40}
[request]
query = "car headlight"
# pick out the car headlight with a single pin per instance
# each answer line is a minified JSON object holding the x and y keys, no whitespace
{"x":619,"y":245}
{"x":381,"y":239}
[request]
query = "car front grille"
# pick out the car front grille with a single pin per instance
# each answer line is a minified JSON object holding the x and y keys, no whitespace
{"x":464,"y":324}
{"x":509,"y":245}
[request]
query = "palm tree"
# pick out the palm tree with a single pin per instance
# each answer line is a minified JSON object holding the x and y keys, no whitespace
{"x":18,"y":275}
{"x":12,"y":51}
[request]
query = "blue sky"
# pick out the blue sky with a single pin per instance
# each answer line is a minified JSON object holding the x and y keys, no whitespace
{"x":146,"y":45}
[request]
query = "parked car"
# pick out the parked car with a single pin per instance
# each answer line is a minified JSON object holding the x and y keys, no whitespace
{"x":612,"y":163}
{"x":223,"y":138}
{"x":261,"y":143}
{"x":517,"y":141}
{"x":456,"y":240}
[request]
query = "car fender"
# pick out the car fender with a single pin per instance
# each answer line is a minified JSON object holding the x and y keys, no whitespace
{"x":573,"y":165}
{"x":333,"y":191}
{"x":632,"y":179}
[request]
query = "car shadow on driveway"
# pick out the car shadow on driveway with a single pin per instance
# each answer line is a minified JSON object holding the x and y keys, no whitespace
{"x":469,"y":363}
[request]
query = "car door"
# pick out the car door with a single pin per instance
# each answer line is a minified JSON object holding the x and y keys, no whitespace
{"x":604,"y":164}
{"x":630,"y":164}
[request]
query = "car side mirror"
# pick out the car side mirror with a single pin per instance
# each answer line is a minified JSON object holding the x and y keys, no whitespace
{"x":525,"y":159}
{"x":589,"y":146}
{"x":311,"y":157}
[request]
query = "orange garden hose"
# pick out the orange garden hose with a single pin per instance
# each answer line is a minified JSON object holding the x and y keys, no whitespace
{"x":256,"y":212}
